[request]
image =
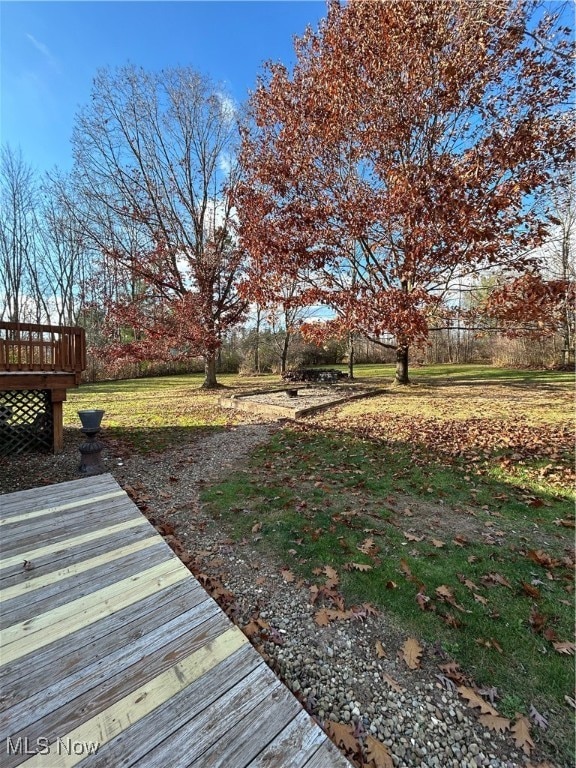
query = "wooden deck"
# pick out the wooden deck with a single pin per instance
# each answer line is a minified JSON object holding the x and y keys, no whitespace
{"x":33,"y":358}
{"x":114,"y":655}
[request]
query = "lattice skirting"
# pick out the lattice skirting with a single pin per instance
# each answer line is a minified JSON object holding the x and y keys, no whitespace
{"x":25,"y":421}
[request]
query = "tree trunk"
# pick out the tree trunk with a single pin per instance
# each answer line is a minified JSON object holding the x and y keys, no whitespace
{"x":210,"y":372}
{"x":350,"y":356}
{"x":284,"y":356}
{"x":402,"y":366}
{"x":257,"y":341}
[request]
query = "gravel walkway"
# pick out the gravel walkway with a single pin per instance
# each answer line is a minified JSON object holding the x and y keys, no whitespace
{"x":334,"y":670}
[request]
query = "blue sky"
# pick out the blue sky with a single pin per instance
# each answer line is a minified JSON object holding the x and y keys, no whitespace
{"x":50,"y":52}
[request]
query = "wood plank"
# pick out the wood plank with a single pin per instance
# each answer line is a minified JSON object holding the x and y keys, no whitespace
{"x":16,"y":380}
{"x":62,"y":525}
{"x":327,"y":755}
{"x":66,"y":704}
{"x":74,"y":541}
{"x":36,"y":582}
{"x":239,"y":744}
{"x":140,"y":740}
{"x":67,"y":491}
{"x":59,"y":660}
{"x":52,"y":596}
{"x":57,"y":426}
{"x":145,"y":699}
{"x":110,"y":639}
{"x":27,"y":637}
{"x":76,"y":503}
{"x":302,"y":730}
{"x":63,"y":558}
{"x":209,"y":725}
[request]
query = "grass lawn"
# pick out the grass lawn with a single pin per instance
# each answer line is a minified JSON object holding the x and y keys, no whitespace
{"x":455,"y":498}
{"x":156,"y":413}
{"x":448,"y":503}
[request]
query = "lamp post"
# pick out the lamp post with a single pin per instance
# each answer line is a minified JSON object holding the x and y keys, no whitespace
{"x":91,"y":449}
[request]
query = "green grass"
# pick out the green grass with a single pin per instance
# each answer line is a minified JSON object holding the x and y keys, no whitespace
{"x":319,"y":496}
{"x":156,"y":413}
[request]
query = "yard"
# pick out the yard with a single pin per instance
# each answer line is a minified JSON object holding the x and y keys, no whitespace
{"x":447,"y":504}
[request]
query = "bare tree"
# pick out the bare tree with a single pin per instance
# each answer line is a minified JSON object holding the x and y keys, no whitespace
{"x":18,"y":194}
{"x":561,"y":256}
{"x":62,"y":256}
{"x":154,"y":166}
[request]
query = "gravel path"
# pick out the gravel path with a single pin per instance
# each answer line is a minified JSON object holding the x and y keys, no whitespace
{"x":334,"y":670}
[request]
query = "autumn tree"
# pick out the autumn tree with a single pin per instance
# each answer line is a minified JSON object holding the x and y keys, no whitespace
{"x":154,"y":168}
{"x":401,"y":154}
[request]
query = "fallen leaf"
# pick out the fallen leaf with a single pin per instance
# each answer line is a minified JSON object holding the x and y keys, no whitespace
{"x":542,"y":558}
{"x":467,"y":583}
{"x":437,"y":543}
{"x":530,"y":590}
{"x":489,"y":644}
{"x":566,"y":648}
{"x":495,"y":722}
{"x":392,"y":683}
{"x":495,"y":578}
{"x":411,"y":653}
{"x":368,"y":547}
{"x":490,"y":693}
{"x":343,"y":736}
{"x":331,"y":574}
{"x":445,"y":593}
{"x":538,"y":719}
{"x":377,"y":753}
{"x":453,"y":671}
{"x":537,"y":620}
{"x":321,"y":618}
{"x":412,"y":537}
{"x":406,"y":570}
{"x":360,"y":566}
{"x":391,"y":585}
{"x":256,"y":527}
{"x":521,"y":732}
{"x":287,"y":575}
{"x":446,"y":682}
{"x":424,"y":602}
{"x":475,"y":701}
{"x":480,"y":599}
{"x":380,"y":652}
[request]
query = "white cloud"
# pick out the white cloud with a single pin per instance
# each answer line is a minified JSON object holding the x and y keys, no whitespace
{"x":228,"y":107}
{"x":44,"y":50}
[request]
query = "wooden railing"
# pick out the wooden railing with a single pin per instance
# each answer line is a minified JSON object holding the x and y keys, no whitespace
{"x":31,"y":347}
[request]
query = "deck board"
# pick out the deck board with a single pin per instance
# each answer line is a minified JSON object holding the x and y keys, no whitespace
{"x":108,"y":639}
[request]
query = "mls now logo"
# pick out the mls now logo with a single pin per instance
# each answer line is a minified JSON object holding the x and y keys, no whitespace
{"x":42,"y":746}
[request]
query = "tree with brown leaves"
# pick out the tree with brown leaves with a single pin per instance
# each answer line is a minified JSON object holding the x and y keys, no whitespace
{"x":402,"y":154}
